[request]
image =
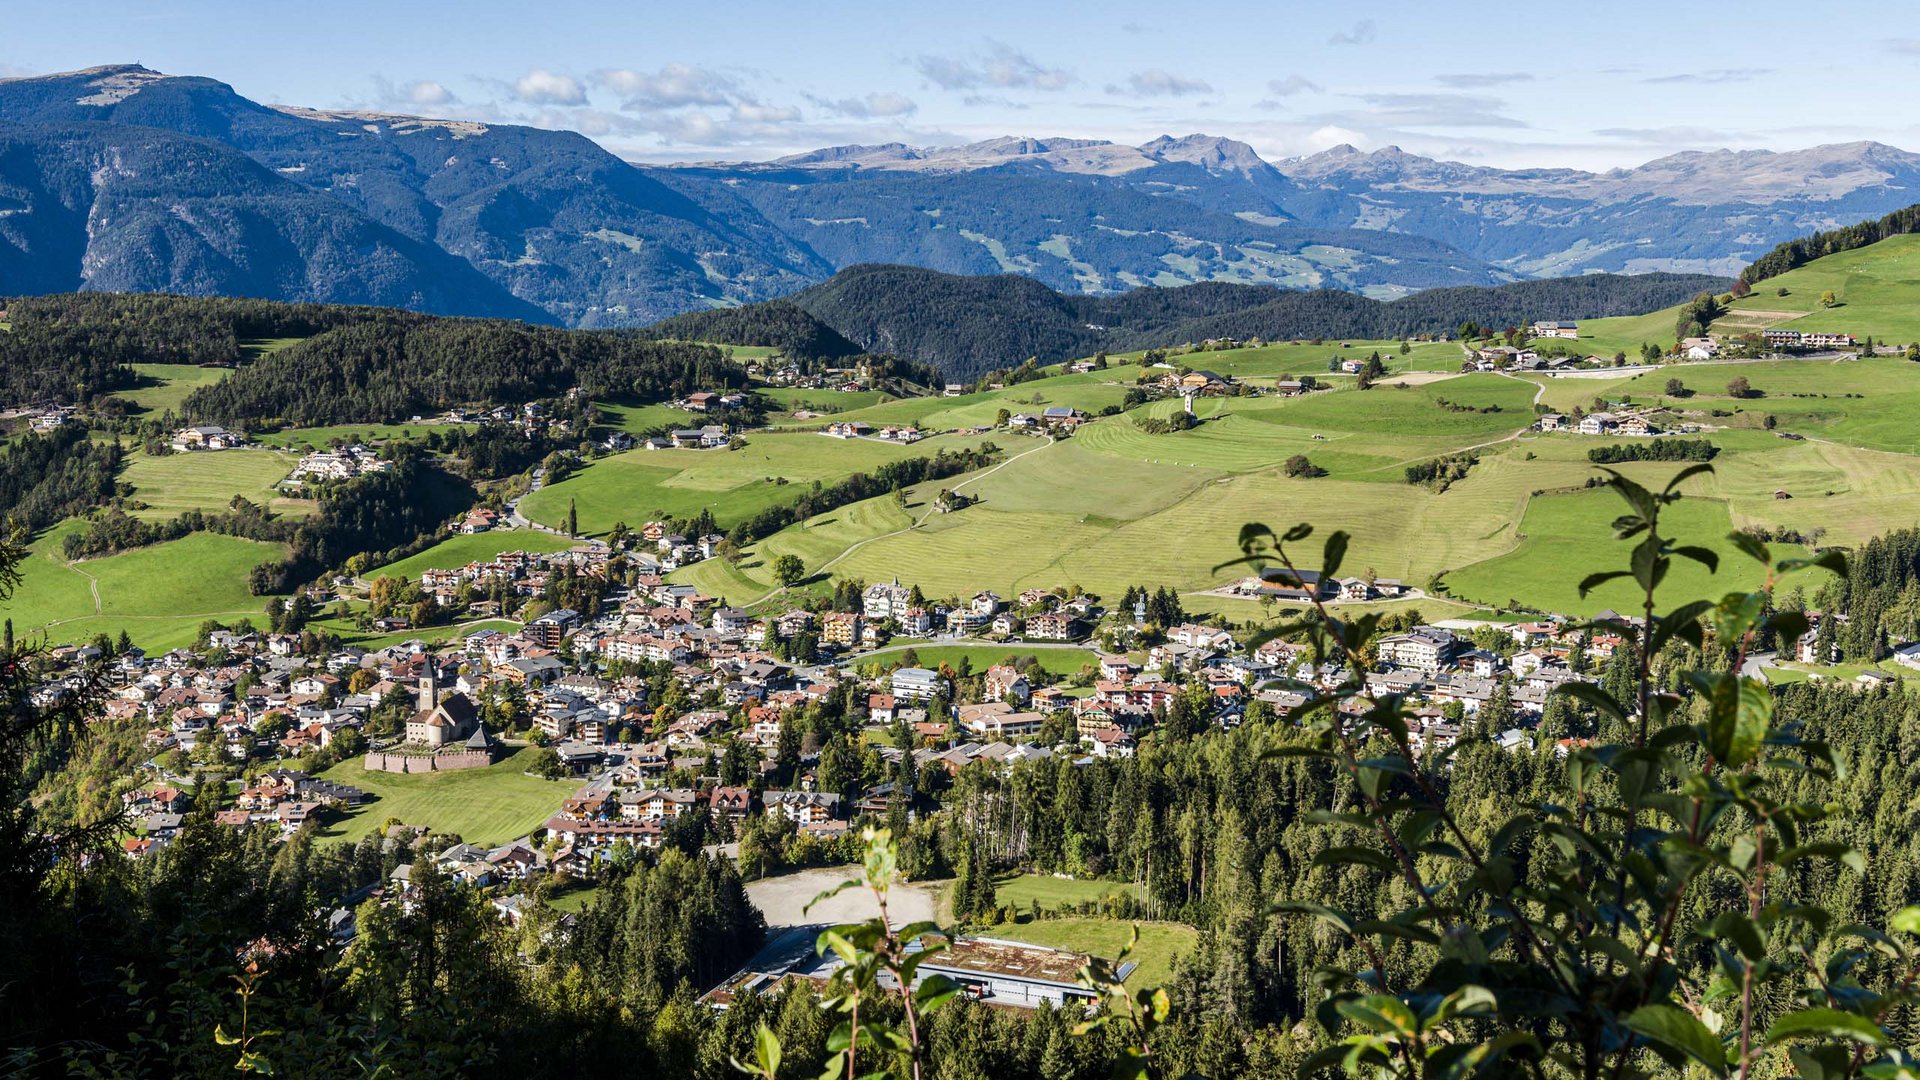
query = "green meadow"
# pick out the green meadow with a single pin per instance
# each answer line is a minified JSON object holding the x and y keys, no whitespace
{"x":174,"y":483}
{"x":162,"y":388}
{"x":773,"y":468}
{"x":487,"y":806}
{"x":1114,"y":506}
{"x":459,"y":550}
{"x":158,"y":594}
{"x":1160,"y":945}
{"x":1059,"y":661}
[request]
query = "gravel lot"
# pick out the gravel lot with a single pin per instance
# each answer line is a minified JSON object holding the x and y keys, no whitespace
{"x":782,"y":900}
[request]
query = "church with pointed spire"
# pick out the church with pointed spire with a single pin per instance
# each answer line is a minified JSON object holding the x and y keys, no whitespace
{"x":444,"y":732}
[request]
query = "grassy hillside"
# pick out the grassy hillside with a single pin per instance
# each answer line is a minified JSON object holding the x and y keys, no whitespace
{"x":1114,"y":506}
{"x":641,"y":485}
{"x":484,"y":806}
{"x":176,"y":483}
{"x":457,"y":551}
{"x":1878,"y":289}
{"x":158,"y":594}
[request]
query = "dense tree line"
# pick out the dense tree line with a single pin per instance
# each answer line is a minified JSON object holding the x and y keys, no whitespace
{"x":112,"y":529}
{"x":1441,"y":473}
{"x":890,"y":477}
{"x":393,"y":366}
{"x":44,"y":478}
{"x":1879,"y":600}
{"x":973,"y":325}
{"x":1654,"y":450}
{"x":72,"y":347}
{"x":1804,"y":250}
{"x":372,"y":516}
{"x":778,"y":324}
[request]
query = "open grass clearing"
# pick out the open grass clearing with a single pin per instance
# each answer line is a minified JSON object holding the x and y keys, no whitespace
{"x":172,"y":484}
{"x":485,"y":806}
{"x":1022,"y":891}
{"x":643,"y":485}
{"x":457,"y":551}
{"x":1572,"y":530}
{"x":158,"y":594}
{"x":163,"y":388}
{"x":1051,"y":656}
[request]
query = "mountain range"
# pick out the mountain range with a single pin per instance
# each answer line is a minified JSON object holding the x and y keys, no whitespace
{"x":120,"y":178}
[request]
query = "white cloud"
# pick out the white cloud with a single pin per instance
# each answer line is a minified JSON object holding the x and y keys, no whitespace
{"x":1363,"y":32}
{"x":428,"y":92}
{"x":1158,"y":82}
{"x":872,"y":106}
{"x":1424,"y":111}
{"x":1001,"y":67}
{"x":1713,"y":76}
{"x":672,"y":86}
{"x":1331,"y":135}
{"x":543,"y":87}
{"x":748,"y":112}
{"x":1476,"y":80}
{"x":1291,"y":85}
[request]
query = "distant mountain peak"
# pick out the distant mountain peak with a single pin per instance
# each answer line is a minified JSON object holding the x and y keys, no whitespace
{"x":1214,"y":153}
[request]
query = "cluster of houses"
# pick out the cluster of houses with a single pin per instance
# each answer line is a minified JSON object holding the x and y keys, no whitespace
{"x":1511,"y":358}
{"x":281,"y":799}
{"x":344,"y":463}
{"x":851,"y":380}
{"x":1308,"y":586}
{"x":1198,"y":384}
{"x":1629,"y":424}
{"x":860,"y":429}
{"x":43,"y":419}
{"x":1054,"y":419}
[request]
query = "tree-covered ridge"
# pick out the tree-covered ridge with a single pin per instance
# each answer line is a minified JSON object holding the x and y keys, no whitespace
{"x":71,"y":347}
{"x":1799,"y":252}
{"x":44,"y":478}
{"x":395,"y":365}
{"x":778,"y":324}
{"x":970,"y":325}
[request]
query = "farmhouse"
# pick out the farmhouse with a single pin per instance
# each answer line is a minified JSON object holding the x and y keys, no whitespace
{"x":208,"y":437}
{"x":700,"y":438}
{"x":1556,"y":330}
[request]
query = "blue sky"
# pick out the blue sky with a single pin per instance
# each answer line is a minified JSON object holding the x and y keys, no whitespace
{"x":1506,"y":84}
